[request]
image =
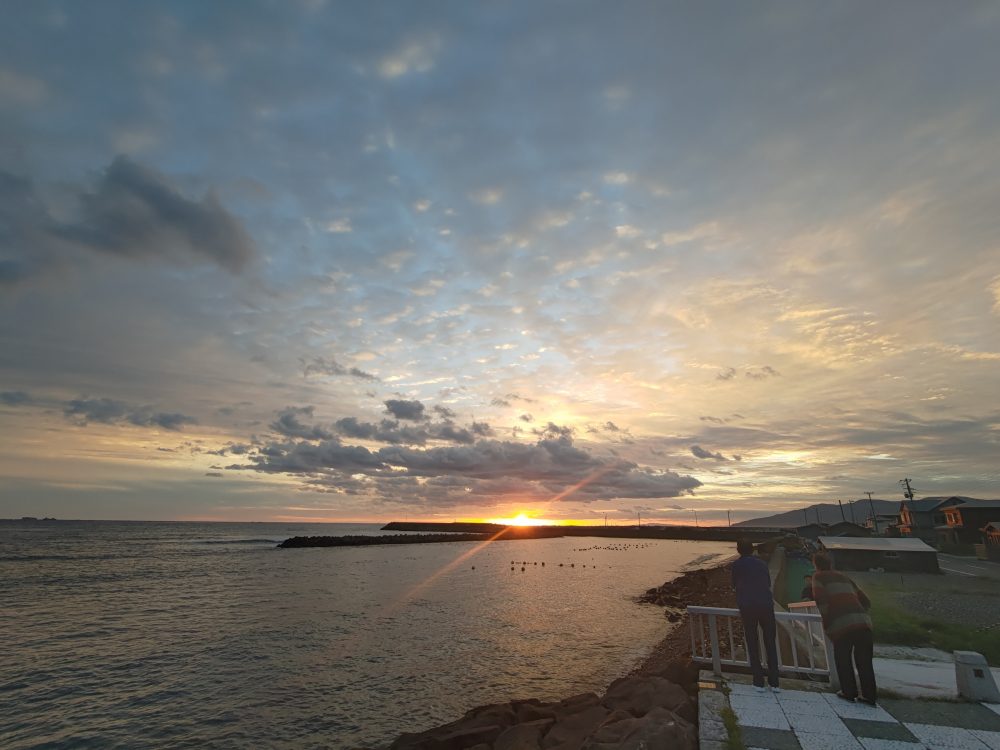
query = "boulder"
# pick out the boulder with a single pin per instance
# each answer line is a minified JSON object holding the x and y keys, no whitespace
{"x":528,"y":712}
{"x":658,"y":728}
{"x":501,"y":714}
{"x":573,"y":729}
{"x":527,"y":736}
{"x":639,"y":694}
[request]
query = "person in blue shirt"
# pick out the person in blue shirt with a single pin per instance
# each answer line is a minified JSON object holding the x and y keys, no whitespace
{"x":752,"y":582}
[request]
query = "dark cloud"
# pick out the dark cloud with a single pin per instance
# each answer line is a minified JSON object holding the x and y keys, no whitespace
{"x":762,"y":373}
{"x":549,"y":467}
{"x":444,"y":412}
{"x":289,"y":424}
{"x":526,"y":418}
{"x":611,"y":427}
{"x":698,"y":452}
{"x":213,"y":473}
{"x":15,"y":398}
{"x":401,"y":409}
{"x":728,"y":374}
{"x":714,"y":420}
{"x":481,"y":429}
{"x":109,"y":411}
{"x":552,"y":430}
{"x":132,"y":212}
{"x":324,"y":366}
{"x":503,"y":403}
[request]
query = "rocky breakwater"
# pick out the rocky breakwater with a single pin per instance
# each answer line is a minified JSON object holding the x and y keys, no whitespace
{"x":635,"y":712}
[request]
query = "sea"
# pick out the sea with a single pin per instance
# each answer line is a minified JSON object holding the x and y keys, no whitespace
{"x":183,"y":635}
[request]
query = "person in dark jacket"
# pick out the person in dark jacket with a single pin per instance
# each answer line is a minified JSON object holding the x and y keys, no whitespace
{"x":752,"y":582}
{"x":844,"y":608}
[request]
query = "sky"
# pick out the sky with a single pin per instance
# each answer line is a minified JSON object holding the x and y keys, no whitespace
{"x":345,"y":261}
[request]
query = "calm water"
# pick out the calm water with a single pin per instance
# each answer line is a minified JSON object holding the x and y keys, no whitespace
{"x":205,"y":635}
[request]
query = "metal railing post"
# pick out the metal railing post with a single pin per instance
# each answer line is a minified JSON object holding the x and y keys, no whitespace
{"x":713,"y":633}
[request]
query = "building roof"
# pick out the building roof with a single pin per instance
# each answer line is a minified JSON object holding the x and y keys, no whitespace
{"x":981,"y":504}
{"x":876,"y":544}
{"x":926,"y":504}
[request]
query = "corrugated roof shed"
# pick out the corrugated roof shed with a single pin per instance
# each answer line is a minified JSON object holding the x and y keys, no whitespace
{"x":876,"y":544}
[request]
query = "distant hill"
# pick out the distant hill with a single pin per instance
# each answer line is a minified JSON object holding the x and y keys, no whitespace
{"x":828,"y":513}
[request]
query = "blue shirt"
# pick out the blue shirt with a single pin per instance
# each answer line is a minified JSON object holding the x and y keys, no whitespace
{"x":752,"y":582}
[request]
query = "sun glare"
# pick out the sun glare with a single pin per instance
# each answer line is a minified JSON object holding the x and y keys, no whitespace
{"x":523,"y":519}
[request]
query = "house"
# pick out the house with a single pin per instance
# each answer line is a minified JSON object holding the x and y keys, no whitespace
{"x":846,"y":528}
{"x":963,"y":522}
{"x":919,"y":518}
{"x":811,"y":530}
{"x":991,"y":540}
{"x":886,"y":524}
{"x":896,"y":555}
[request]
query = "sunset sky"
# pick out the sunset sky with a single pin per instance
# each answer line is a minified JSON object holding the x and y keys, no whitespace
{"x":373,"y":261}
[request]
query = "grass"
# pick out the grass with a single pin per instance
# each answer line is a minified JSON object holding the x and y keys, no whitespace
{"x":734,"y":737}
{"x":895,"y":625}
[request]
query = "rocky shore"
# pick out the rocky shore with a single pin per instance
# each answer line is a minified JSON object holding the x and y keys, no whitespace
{"x":653,"y":706}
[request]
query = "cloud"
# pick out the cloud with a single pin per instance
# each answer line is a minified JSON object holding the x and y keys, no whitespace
{"x":288,"y":423}
{"x":714,"y":420}
{"x":132,"y":212}
{"x":698,"y":452}
{"x":21,"y":90}
{"x":402,"y":409}
{"x":728,"y":374}
{"x":324,"y":366}
{"x":444,"y":412}
{"x":15,"y":398}
{"x":545,"y":468}
{"x":82,"y":411}
{"x":762,"y":373}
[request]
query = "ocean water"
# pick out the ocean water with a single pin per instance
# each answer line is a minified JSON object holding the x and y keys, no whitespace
{"x":170,"y":635}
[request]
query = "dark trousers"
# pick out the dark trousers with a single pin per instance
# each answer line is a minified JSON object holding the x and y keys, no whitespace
{"x":763,"y":618}
{"x":856,"y":644}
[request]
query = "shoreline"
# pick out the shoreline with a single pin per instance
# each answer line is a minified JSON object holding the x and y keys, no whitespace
{"x":656,"y":700}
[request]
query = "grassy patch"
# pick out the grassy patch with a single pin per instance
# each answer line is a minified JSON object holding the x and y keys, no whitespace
{"x":895,"y":625}
{"x":734,"y":737}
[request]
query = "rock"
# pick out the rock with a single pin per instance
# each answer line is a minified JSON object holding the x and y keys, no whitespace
{"x":528,"y":712}
{"x":501,"y":714}
{"x":527,"y":736}
{"x":638,"y":695}
{"x":575,"y":703}
{"x":573,"y":729}
{"x":660,"y":728}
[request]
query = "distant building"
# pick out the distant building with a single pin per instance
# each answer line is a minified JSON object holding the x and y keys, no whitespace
{"x":846,"y":528}
{"x":811,"y":530}
{"x":920,"y":518}
{"x":895,"y":555}
{"x":883,"y":524}
{"x":963,"y":522}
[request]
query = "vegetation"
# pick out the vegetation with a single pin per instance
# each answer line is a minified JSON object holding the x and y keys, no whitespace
{"x":734,"y":739}
{"x":895,"y":625}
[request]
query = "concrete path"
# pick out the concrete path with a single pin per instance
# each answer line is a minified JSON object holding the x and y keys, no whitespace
{"x":810,"y":720}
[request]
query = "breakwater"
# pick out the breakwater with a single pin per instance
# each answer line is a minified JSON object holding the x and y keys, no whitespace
{"x":692,"y":533}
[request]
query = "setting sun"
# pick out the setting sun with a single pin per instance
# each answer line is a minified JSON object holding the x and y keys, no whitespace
{"x":523,"y":519}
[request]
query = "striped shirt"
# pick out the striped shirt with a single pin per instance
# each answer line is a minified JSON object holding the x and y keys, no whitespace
{"x":843,"y":606}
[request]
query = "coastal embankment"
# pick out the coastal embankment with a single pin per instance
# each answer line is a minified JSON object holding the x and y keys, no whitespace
{"x":655,"y":705}
{"x":419,"y":532}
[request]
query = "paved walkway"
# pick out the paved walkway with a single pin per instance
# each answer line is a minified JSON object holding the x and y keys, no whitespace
{"x":809,"y":720}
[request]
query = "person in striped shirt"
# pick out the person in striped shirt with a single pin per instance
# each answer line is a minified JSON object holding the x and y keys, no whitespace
{"x":844,"y":608}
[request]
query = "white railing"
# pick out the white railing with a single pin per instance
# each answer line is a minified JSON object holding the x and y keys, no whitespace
{"x":717,"y":641}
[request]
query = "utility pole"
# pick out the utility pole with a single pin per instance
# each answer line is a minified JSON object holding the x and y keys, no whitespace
{"x":729,"y":518}
{"x":850,"y":504}
{"x":874,"y":517}
{"x":639,"y":516}
{"x":842,"y":516}
{"x":908,"y":494}
{"x":805,"y":512}
{"x":695,"y":518}
{"x":605,"y":520}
